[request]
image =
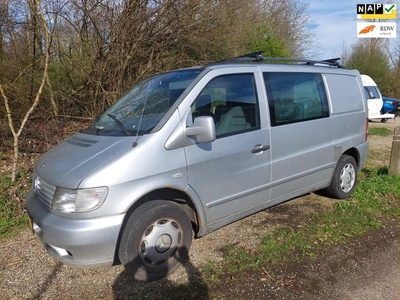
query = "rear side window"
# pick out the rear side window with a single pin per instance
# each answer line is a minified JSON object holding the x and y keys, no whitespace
{"x":345,"y":92}
{"x":295,"y":97}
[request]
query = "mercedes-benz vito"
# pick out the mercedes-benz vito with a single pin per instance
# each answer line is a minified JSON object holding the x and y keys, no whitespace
{"x":186,"y":152}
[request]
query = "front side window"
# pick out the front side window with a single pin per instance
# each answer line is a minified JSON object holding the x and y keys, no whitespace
{"x":295,"y":97}
{"x":141,"y":108}
{"x":231,"y":100}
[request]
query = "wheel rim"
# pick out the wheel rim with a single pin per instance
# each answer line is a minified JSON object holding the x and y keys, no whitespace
{"x":347,"y":178}
{"x":160,"y":241}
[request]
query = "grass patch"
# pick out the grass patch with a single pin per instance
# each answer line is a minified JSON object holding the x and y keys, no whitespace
{"x":12,"y":205}
{"x":375,"y":201}
{"x":380,"y":131}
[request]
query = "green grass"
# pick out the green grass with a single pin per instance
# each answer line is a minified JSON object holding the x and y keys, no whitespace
{"x":381,"y":131}
{"x":375,"y":201}
{"x":12,"y":213}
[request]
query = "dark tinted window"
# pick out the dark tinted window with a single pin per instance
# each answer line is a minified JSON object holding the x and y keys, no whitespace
{"x":295,"y":97}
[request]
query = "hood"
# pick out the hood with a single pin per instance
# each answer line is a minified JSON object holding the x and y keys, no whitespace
{"x":71,"y":161}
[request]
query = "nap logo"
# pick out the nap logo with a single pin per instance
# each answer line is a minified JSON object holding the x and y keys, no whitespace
{"x":376,"y":11}
{"x":376,"y":29}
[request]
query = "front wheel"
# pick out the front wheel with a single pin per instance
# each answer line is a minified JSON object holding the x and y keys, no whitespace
{"x":155,"y":240}
{"x":344,"y":178}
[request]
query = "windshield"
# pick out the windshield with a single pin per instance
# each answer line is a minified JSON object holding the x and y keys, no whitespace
{"x":141,"y":108}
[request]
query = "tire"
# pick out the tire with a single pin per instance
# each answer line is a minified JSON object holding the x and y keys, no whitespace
{"x":384,"y":120}
{"x":344,"y":178}
{"x":156,"y":239}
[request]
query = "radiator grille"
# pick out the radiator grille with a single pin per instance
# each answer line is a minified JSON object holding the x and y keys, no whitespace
{"x":44,"y":191}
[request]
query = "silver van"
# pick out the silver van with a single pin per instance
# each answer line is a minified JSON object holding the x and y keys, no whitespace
{"x":186,"y":152}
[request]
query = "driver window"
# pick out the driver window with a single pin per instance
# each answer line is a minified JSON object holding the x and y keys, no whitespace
{"x":231,"y":101}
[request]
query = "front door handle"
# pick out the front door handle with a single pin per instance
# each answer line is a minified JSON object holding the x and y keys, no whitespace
{"x":259,"y":148}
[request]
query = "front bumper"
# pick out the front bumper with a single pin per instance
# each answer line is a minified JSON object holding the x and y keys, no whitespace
{"x":86,"y":243}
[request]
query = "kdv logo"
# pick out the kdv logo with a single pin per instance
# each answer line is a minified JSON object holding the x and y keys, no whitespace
{"x":376,"y":11}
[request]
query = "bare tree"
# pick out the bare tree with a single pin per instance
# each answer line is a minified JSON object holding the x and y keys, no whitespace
{"x":154,"y":36}
{"x":287,"y":21}
{"x":99,"y":48}
{"x":16,"y":132}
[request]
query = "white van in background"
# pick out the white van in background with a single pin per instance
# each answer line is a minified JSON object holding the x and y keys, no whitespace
{"x":374,"y":100}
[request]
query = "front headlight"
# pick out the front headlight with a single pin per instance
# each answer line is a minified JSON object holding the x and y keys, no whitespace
{"x":78,"y":200}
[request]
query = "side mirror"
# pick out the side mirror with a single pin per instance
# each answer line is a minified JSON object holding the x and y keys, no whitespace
{"x":203,"y":129}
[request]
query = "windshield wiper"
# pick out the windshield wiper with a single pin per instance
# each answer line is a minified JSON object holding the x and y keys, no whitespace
{"x":119,"y":124}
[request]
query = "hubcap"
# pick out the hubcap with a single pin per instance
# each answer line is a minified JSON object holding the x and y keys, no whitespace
{"x":163,"y":243}
{"x":160,"y":241}
{"x":347,"y":178}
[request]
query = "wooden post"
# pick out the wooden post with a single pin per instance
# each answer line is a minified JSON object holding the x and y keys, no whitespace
{"x":394,"y":166}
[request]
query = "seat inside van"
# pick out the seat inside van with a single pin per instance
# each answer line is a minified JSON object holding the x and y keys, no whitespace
{"x":233,"y":120}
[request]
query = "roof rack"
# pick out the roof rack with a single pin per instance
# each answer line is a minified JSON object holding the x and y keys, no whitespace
{"x":257,"y":57}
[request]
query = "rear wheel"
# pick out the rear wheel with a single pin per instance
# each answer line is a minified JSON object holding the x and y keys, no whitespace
{"x":155,"y":240}
{"x":344,"y":178}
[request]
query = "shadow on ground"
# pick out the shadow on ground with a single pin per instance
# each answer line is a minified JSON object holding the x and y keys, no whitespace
{"x":126,"y":287}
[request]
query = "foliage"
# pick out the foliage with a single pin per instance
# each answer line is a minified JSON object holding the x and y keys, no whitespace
{"x":101,"y":48}
{"x":271,"y":46}
{"x":75,"y":58}
{"x":369,"y":57}
{"x":12,"y":214}
{"x":376,"y":58}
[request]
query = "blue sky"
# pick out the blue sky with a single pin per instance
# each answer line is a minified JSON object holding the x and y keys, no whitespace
{"x":334,"y":24}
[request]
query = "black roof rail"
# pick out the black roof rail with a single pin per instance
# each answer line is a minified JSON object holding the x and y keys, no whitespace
{"x":257,"y":57}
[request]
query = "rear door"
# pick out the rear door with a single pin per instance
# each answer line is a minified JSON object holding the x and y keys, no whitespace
{"x":232,"y":174}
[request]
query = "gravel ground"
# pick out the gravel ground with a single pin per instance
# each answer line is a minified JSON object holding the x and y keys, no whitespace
{"x":365,"y":268}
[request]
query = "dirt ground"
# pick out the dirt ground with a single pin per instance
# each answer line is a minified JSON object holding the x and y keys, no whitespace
{"x":365,"y":268}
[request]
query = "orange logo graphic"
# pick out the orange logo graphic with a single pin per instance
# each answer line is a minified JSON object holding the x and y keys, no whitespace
{"x":367,"y":29}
